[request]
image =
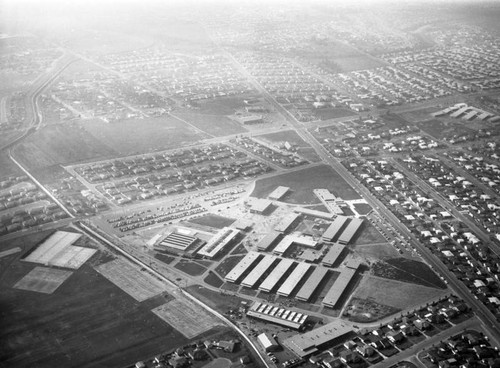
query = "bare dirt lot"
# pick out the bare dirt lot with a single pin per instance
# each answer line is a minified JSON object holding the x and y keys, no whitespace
{"x":188,"y":318}
{"x":43,"y":280}
{"x":138,"y":284}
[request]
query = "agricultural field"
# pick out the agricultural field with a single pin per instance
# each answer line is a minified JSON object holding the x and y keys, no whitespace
{"x":186,"y":317}
{"x":408,"y":270}
{"x":212,"y":125}
{"x":302,"y":182}
{"x":7,"y":167}
{"x":101,"y":325}
{"x":43,"y":280}
{"x":138,"y":284}
{"x":129,"y":137}
{"x":59,"y":144}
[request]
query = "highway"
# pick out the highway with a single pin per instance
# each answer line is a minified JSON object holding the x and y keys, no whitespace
{"x":33,"y":113}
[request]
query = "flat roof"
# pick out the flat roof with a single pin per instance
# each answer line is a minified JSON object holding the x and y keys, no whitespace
{"x":333,"y":254}
{"x":286,"y":222}
{"x":332,"y":231}
{"x":350,"y":230}
{"x":337,"y":289}
{"x":324,"y":195}
{"x":314,"y":213}
{"x":291,"y":282}
{"x":312,"y":283}
{"x":258,"y":271}
{"x":235,"y":274}
{"x":270,"y":282}
{"x":218,"y":242}
{"x":308,"y":343}
{"x":281,"y":316}
{"x":178,"y":241}
{"x":267,"y":241}
{"x":259,"y":204}
{"x":279,"y":192}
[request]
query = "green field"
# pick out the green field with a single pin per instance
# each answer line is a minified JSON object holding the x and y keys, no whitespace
{"x":408,"y":270}
{"x":332,"y":113}
{"x":136,"y":136}
{"x":227,"y":265}
{"x":7,"y":167}
{"x":302,"y":182}
{"x":213,"y":125}
{"x":212,"y":220}
{"x":60,"y":144}
{"x":368,"y":234}
{"x":191,"y":268}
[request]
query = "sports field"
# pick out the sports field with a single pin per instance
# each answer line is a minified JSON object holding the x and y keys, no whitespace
{"x":58,"y":251}
{"x":140,"y":285}
{"x":43,"y":280}
{"x":186,"y":317}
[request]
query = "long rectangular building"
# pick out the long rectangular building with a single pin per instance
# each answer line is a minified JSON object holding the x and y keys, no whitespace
{"x":277,"y":315}
{"x":259,"y":270}
{"x":350,"y":231}
{"x":292,"y":281}
{"x":274,"y":277}
{"x":333,"y":254}
{"x":339,"y":286}
{"x":237,"y":272}
{"x":287,"y":222}
{"x":218,"y":242}
{"x":312,"y":283}
{"x":334,"y":228}
{"x":311,"y":342}
{"x":314,"y":213}
{"x":267,"y":241}
{"x":278,"y":193}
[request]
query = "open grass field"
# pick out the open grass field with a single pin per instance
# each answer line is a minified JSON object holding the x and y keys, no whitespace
{"x":332,"y":113}
{"x":43,"y":280}
{"x":191,"y":268}
{"x":7,"y":167}
{"x":362,"y":208}
{"x":302,"y":182}
{"x":394,"y":293}
{"x":59,"y":144}
{"x":213,"y":280}
{"x":86,"y":322}
{"x":219,"y":363}
{"x":408,"y":270}
{"x":227,"y":265}
{"x":440,"y":129}
{"x":214,"y":125}
{"x":368,"y":234}
{"x":219,"y":301}
{"x":225,"y":105}
{"x":186,"y":317}
{"x":140,"y":285}
{"x":212,"y":220}
{"x":136,"y":136}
